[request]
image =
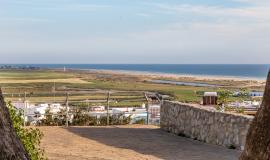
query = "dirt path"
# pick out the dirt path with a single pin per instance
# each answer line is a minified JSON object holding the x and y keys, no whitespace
{"x":133,"y":142}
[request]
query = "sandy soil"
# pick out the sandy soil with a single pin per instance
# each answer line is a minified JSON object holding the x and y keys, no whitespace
{"x":132,"y":142}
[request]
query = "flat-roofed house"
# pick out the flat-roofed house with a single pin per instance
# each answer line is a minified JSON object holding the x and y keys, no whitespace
{"x":210,"y":98}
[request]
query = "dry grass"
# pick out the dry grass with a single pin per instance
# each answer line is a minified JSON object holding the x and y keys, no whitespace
{"x":67,"y":80}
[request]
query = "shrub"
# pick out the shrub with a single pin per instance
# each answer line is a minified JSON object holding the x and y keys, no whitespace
{"x":81,"y":119}
{"x":223,"y":97}
{"x":119,"y":119}
{"x":140,"y":121}
{"x":51,"y":119}
{"x":29,"y":137}
{"x":231,"y":146}
{"x":240,"y":110}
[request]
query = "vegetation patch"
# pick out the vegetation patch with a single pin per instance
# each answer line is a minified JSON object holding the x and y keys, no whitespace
{"x":29,"y":137}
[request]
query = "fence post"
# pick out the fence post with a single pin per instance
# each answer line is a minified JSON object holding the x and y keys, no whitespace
{"x":24,"y":109}
{"x":147,"y":108}
{"x":108,"y":108}
{"x":54,"y":91}
{"x":67,"y":109}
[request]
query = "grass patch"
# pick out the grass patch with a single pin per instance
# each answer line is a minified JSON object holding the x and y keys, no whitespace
{"x":42,"y":82}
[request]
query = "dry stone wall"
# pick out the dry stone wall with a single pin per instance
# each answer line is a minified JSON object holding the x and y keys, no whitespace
{"x":203,"y":124}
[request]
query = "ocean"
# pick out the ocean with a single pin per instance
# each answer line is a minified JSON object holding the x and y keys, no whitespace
{"x":258,"y":71}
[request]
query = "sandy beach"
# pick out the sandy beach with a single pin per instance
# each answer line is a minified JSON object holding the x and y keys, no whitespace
{"x":248,"y":81}
{"x":174,"y":76}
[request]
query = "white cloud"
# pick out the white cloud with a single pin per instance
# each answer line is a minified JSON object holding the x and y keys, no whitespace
{"x":256,"y":12}
{"x":254,"y":2}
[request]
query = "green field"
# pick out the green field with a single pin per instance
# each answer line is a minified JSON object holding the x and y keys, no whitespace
{"x":125,"y":90}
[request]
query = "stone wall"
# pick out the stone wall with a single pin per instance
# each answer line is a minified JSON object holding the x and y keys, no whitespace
{"x":203,"y":124}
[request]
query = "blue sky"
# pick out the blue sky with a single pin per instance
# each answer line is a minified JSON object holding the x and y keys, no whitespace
{"x":135,"y":31}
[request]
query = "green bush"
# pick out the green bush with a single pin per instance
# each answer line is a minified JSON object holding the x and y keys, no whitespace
{"x":84,"y":120}
{"x":114,"y":120}
{"x":81,"y":118}
{"x":231,"y":146}
{"x":140,"y":121}
{"x":29,"y":137}
{"x":53,"y":120}
{"x":223,"y":97}
{"x":240,"y":110}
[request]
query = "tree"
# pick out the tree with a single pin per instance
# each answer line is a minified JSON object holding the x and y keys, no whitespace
{"x":258,"y":138}
{"x":10,"y":144}
{"x":223,"y":97}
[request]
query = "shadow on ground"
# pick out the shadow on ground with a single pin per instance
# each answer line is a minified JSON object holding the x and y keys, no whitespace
{"x":155,"y":142}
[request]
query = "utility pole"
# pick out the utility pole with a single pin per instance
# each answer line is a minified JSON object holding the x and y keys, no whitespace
{"x":67,"y":109}
{"x":108,"y":108}
{"x":24,"y":110}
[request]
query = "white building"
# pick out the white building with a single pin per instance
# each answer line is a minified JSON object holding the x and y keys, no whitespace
{"x":122,"y":109}
{"x":98,"y":108}
{"x":21,"y":105}
{"x":55,"y":108}
{"x":245,"y":104}
{"x":39,"y":110}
